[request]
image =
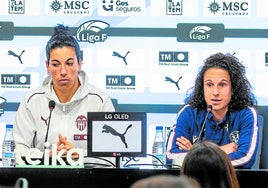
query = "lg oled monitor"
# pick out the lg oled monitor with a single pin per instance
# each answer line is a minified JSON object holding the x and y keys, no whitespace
{"x":117,"y":134}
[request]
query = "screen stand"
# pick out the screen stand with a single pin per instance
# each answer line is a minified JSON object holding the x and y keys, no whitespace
{"x":117,"y":162}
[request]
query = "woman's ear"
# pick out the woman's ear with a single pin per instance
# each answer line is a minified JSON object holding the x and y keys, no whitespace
{"x":47,"y":67}
{"x":80,"y":65}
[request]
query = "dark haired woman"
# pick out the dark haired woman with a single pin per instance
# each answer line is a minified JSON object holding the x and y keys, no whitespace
{"x":219,"y":109}
{"x":66,"y":84}
{"x":210,"y":166}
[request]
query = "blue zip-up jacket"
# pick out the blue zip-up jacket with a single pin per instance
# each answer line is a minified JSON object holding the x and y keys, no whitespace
{"x":238,"y":126}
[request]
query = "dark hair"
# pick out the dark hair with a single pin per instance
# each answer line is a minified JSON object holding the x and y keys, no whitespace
{"x":60,"y":38}
{"x":241,"y":88}
{"x":166,"y":181}
{"x":210,"y":166}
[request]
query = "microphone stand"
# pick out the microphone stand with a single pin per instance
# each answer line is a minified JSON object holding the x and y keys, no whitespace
{"x":48,"y":125}
{"x":51,"y":106}
{"x":209,"y":108}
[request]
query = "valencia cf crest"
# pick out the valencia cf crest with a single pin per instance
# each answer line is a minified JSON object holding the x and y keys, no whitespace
{"x":81,"y":122}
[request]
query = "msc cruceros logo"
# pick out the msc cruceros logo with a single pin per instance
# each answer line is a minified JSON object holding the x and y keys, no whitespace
{"x":92,"y":31}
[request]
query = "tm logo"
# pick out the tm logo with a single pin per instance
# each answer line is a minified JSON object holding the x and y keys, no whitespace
{"x":120,"y":80}
{"x":173,"y":56}
{"x":92,"y":31}
{"x":15,"y":79}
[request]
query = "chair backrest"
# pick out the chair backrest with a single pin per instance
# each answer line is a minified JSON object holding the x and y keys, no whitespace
{"x":115,"y":103}
{"x":257,"y":164}
{"x":264,"y":147}
{"x":21,"y":183}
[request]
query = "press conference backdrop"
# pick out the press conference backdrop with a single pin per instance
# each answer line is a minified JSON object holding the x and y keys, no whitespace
{"x":144,"y":53}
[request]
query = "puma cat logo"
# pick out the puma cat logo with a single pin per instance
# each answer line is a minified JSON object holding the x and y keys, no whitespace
{"x":176,"y":82}
{"x":109,"y":129}
{"x":15,"y":55}
{"x":116,"y":54}
{"x":45,"y":120}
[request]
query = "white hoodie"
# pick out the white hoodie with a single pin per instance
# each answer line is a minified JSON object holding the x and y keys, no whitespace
{"x":69,"y":119}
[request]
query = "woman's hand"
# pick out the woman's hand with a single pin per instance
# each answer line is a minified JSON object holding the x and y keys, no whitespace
{"x":229,"y":148}
{"x":183,"y":143}
{"x":63,"y":143}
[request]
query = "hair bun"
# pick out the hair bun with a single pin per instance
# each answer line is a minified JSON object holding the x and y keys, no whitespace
{"x":61,"y":29}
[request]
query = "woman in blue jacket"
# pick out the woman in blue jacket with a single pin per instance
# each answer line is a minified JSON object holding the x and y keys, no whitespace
{"x":220,"y":109}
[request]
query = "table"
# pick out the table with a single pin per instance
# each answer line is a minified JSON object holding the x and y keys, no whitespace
{"x":106,"y":177}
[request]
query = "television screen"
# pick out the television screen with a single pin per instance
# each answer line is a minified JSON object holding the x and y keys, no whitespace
{"x":117,"y":134}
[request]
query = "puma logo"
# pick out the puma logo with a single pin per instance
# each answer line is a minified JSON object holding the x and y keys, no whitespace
{"x":15,"y":55}
{"x":109,"y":129}
{"x":120,"y":56}
{"x":45,"y":120}
{"x":168,"y":79}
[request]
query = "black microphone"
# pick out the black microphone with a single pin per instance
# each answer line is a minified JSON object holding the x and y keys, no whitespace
{"x":51,"y":106}
{"x":209,"y":108}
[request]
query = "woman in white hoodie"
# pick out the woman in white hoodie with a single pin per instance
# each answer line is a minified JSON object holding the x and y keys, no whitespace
{"x":67,"y":84}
